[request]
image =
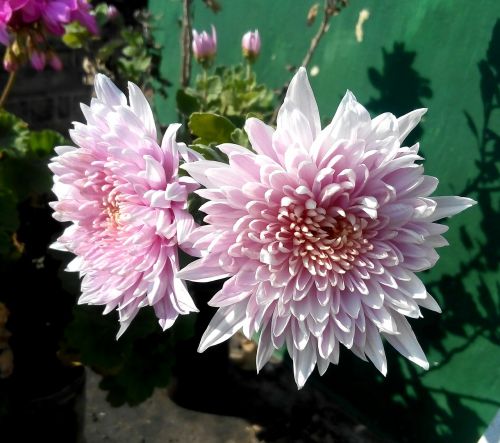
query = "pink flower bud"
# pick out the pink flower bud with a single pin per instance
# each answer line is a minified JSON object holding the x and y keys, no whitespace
{"x":112,"y":12}
{"x":250,"y":44}
{"x":9,"y":63}
{"x":55,"y":62}
{"x":204,"y":46}
{"x":38,"y":60}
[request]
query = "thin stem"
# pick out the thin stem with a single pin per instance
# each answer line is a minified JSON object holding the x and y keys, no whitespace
{"x":323,"y":27}
{"x":7,"y":88}
{"x":249,"y":71}
{"x":331,"y":7}
{"x":205,"y":88}
{"x":186,"y":43}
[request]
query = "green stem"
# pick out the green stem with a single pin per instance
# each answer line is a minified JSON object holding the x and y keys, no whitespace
{"x":7,"y":88}
{"x":205,"y":89}
{"x":249,"y":71}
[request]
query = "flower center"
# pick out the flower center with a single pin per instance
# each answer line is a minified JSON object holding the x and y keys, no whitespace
{"x":112,"y":208}
{"x":323,"y":242}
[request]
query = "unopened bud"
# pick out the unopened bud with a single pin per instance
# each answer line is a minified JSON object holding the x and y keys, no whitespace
{"x":55,"y":62}
{"x":250,"y":45}
{"x":204,"y":46}
{"x":38,"y":60}
{"x":112,"y":12}
{"x":10,"y":62}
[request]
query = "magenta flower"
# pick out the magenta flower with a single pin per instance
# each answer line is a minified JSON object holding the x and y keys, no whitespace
{"x":82,"y":15}
{"x":127,"y":205}
{"x":54,"y":14}
{"x":7,"y":8}
{"x":204,"y":46}
{"x":320,"y":233}
{"x":250,"y":45}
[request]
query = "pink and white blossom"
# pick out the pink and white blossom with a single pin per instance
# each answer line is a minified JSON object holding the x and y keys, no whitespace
{"x":320,"y":233}
{"x":127,"y":206}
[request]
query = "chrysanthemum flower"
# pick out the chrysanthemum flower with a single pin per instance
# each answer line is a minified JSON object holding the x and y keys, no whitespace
{"x":127,"y":205}
{"x":321,"y":233}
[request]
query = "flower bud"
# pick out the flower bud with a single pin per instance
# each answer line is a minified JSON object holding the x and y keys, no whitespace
{"x":55,"y":62}
{"x":10,"y":63}
{"x":250,"y":45}
{"x":204,"y":46}
{"x":38,"y":60}
{"x":112,"y":12}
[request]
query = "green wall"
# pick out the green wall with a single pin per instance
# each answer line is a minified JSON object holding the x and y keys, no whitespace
{"x":444,"y":55}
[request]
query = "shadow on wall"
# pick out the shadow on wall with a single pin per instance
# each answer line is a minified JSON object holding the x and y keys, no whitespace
{"x":416,"y":412}
{"x":402,"y":89}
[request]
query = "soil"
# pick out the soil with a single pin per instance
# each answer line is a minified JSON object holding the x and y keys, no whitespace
{"x":246,"y":408}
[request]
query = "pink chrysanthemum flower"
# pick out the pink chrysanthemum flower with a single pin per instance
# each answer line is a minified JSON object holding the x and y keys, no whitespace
{"x":127,"y":204}
{"x":321,"y":233}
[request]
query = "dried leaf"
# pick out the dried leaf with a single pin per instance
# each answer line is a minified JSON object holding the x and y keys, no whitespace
{"x":312,"y":14}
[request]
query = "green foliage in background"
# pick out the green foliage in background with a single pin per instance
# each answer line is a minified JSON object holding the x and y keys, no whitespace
{"x":133,"y":366}
{"x":126,"y":52}
{"x":232,"y":92}
{"x":23,"y":172}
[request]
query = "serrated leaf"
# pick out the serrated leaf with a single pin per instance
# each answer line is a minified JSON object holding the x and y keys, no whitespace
{"x":213,"y":87}
{"x":13,"y":134}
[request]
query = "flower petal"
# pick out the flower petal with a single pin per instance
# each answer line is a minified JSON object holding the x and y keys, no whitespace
{"x":223,"y":325}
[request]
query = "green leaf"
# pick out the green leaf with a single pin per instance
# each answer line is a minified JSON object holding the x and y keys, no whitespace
{"x":211,"y":128}
{"x":209,"y":152}
{"x":240,"y":137}
{"x":42,"y":143}
{"x":214,"y":87}
{"x":13,"y":134}
{"x":187,"y":103}
{"x":76,"y":35}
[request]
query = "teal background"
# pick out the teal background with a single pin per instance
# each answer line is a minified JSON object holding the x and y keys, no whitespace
{"x":440,"y":54}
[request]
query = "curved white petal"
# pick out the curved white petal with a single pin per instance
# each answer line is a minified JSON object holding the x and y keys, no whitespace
{"x":406,"y":343}
{"x":448,"y":206}
{"x":107,"y":92}
{"x":141,"y":108}
{"x":261,"y":137}
{"x":198,"y":170}
{"x":201,"y":271}
{"x":300,"y":96}
{"x":407,"y":122}
{"x":303,"y":364}
{"x":223,"y":325}
{"x":265,"y":348}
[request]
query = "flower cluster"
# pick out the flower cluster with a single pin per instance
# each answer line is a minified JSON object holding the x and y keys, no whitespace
{"x":319,"y":232}
{"x":26,"y":25}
